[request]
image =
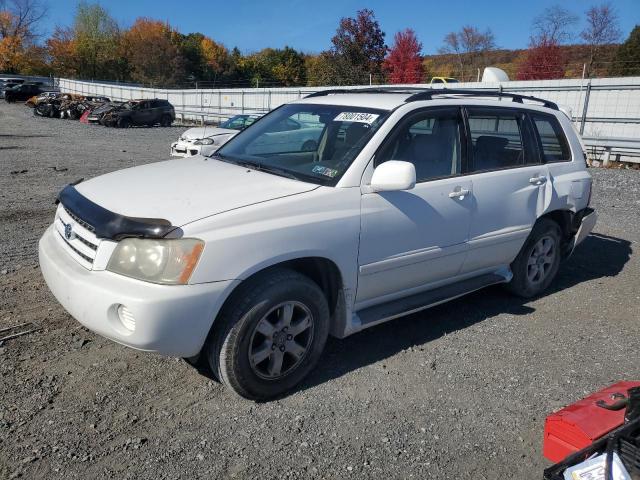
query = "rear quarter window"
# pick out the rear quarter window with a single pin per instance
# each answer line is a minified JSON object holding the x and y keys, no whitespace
{"x":552,"y":141}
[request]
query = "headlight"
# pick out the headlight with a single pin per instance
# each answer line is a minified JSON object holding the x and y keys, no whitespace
{"x":169,"y":262}
{"x":204,"y":141}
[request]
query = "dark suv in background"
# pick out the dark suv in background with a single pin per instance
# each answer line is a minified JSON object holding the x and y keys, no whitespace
{"x":22,"y":92}
{"x":141,"y":112}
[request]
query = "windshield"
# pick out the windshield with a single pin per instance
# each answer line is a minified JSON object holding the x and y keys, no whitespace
{"x":238,"y":122}
{"x":312,"y":143}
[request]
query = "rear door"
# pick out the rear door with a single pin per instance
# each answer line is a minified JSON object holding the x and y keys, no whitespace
{"x":509,"y":185}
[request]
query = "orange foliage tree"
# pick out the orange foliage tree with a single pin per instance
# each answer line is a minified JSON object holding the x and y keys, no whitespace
{"x":152,"y":54}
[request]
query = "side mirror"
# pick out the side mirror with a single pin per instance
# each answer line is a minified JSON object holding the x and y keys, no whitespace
{"x":393,"y":175}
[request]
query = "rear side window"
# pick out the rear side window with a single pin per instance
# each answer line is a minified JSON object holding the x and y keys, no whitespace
{"x":552,"y":141}
{"x":500,"y":139}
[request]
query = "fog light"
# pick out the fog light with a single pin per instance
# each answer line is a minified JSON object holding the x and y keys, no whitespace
{"x":126,"y":318}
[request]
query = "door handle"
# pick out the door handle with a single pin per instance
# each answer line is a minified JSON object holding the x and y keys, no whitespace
{"x":459,"y":194}
{"x":541,"y":180}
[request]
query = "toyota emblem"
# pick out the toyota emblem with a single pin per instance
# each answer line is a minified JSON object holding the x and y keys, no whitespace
{"x":68,"y":231}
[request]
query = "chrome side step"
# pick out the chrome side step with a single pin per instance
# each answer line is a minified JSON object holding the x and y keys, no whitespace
{"x":421,"y":301}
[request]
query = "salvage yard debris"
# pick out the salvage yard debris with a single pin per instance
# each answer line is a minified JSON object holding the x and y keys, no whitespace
{"x":64,"y":105}
{"x":96,"y":109}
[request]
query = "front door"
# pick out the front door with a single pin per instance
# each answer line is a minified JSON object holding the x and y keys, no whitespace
{"x":412,"y":239}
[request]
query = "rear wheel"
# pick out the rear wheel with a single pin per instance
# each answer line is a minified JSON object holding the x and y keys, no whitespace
{"x":538,"y":262}
{"x":165,"y":121}
{"x":270,"y":336}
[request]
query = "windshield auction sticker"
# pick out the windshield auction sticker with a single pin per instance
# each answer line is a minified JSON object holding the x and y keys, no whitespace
{"x":359,"y":117}
{"x":326,"y":171}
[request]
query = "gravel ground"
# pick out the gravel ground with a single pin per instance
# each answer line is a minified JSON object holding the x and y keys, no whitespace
{"x":458,"y":391}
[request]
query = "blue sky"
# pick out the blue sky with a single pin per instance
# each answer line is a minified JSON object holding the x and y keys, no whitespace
{"x":309,"y":26}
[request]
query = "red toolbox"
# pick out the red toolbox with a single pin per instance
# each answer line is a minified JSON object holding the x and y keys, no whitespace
{"x":580,"y":424}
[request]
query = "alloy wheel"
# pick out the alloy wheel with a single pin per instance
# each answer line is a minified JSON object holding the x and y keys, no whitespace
{"x":541,"y":259}
{"x":280,"y":340}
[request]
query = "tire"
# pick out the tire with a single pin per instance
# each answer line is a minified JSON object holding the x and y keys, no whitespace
{"x":538,"y":262}
{"x":255,"y":323}
{"x":123,"y":122}
{"x":166,"y":121}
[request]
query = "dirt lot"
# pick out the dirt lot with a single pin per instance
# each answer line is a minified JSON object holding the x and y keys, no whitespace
{"x":459,"y":391}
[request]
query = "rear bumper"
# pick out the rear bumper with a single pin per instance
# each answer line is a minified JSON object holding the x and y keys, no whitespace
{"x":168,"y":319}
{"x":587,"y":223}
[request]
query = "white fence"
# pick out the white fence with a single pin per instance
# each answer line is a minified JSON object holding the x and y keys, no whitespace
{"x":606,"y":110}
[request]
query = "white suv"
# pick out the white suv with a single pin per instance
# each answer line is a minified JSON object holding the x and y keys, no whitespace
{"x":245,"y":261}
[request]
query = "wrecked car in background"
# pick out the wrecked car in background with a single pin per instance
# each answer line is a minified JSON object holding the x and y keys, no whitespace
{"x":206,"y":140}
{"x":40,"y":98}
{"x":63,"y":105}
{"x":140,"y":112}
{"x":95,"y":116}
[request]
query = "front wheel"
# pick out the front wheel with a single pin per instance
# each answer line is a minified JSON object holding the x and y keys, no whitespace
{"x":165,"y":121}
{"x":123,"y":122}
{"x":270,"y":336}
{"x":538,"y":262}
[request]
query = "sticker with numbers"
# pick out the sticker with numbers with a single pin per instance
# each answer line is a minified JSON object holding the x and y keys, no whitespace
{"x":359,"y":117}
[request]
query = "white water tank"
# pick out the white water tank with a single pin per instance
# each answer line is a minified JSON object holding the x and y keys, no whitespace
{"x":494,"y":75}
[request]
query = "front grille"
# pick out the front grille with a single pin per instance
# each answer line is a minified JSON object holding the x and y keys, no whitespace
{"x":82,"y":244}
{"x":79,"y":220}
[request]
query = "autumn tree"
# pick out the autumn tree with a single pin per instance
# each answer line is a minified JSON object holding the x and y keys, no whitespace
{"x":627,"y":59}
{"x":358,"y":49}
{"x":602,"y":29}
{"x":97,"y":39}
{"x":322,"y":69}
{"x":470,"y":46}
{"x":61,"y":48}
{"x":544,"y":60}
{"x":275,"y":66}
{"x":403,"y":63}
{"x":152,"y":53}
{"x":215,"y":57}
{"x":19,"y":20}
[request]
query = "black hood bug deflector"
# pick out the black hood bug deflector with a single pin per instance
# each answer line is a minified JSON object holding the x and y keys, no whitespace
{"x":110,"y":225}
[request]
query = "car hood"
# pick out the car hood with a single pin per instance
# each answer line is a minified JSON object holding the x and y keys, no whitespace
{"x":206,"y":132}
{"x":185,"y":190}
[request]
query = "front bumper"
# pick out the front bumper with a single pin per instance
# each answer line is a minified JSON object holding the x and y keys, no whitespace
{"x":168,"y":319}
{"x":184,"y":149}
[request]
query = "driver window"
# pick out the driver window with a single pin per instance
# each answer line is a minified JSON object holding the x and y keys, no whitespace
{"x":431,"y":141}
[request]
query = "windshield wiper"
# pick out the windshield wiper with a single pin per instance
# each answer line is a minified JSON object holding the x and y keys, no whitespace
{"x":255,"y":166}
{"x":278,"y":171}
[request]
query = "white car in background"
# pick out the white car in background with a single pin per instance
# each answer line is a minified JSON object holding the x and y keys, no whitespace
{"x":206,"y":140}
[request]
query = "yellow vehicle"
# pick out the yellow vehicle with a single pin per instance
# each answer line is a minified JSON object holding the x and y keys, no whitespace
{"x":445,"y":80}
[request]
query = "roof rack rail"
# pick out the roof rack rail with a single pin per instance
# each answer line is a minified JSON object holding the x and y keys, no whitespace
{"x":428,"y":94}
{"x":425,"y":93}
{"x":333,"y":91}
